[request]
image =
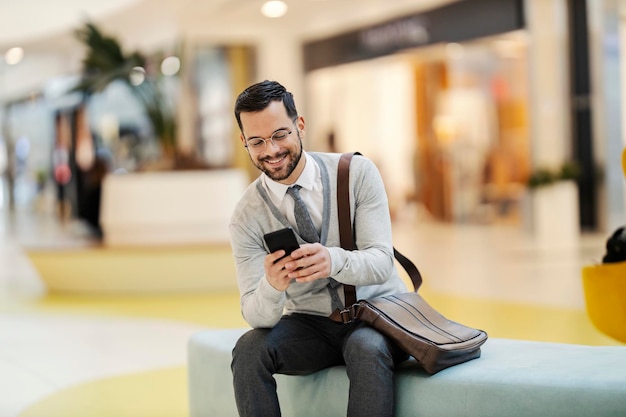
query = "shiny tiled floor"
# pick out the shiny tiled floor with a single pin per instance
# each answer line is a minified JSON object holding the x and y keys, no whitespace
{"x":42,"y":352}
{"x":499,"y":262}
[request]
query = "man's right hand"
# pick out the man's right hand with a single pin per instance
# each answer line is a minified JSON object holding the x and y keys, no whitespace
{"x":275,"y":271}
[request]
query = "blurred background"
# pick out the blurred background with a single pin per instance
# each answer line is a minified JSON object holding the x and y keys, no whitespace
{"x":459,"y":103}
{"x":497,"y":125}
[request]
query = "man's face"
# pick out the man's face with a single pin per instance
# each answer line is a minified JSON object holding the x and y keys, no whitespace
{"x":281,"y":162}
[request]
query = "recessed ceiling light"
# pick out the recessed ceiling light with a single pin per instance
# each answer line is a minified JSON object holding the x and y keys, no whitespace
{"x":274,"y":8}
{"x":14,"y":55}
{"x":170,"y":65}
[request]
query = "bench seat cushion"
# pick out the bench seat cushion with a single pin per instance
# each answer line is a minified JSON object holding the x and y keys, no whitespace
{"x":512,"y":378}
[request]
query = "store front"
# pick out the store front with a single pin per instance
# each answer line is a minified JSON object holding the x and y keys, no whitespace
{"x":438,"y":101}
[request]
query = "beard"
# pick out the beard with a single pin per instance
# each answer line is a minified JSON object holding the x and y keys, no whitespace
{"x":294,"y":156}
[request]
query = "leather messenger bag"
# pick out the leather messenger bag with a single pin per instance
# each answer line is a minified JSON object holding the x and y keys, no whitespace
{"x":435,"y":342}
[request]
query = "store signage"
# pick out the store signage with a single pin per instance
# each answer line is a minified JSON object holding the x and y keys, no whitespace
{"x":456,"y":22}
{"x":395,"y":35}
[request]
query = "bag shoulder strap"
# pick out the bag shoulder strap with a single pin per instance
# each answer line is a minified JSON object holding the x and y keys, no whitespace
{"x":347,"y":234}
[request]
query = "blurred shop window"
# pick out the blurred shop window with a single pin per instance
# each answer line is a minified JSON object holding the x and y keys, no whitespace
{"x":120,"y":123}
{"x":217,"y":74}
{"x":473,"y":143}
{"x":214,"y":102}
{"x":464,"y":123}
{"x":28,"y":129}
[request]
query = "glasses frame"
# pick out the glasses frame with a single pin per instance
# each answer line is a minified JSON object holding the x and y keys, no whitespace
{"x":271,"y":138}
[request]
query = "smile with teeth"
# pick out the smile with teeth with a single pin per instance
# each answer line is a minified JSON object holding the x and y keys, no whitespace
{"x":275,"y":161}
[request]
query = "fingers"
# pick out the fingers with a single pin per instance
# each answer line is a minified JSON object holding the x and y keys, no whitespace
{"x":310,"y":262}
{"x":273,"y":257}
{"x":275,"y":271}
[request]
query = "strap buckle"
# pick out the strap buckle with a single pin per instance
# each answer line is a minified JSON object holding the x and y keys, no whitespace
{"x":345,"y":316}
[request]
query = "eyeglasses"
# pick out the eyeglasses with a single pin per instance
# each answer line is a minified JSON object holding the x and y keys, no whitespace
{"x":258,"y":144}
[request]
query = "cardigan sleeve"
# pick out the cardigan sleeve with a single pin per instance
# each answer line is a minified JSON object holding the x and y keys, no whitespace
{"x":373,"y":262}
{"x":261,"y":304}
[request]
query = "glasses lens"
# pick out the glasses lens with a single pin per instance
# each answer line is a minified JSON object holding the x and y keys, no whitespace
{"x":280,"y":135}
{"x":256,"y":144}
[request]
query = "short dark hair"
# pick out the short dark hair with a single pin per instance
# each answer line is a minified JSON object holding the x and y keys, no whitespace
{"x":258,"y":96}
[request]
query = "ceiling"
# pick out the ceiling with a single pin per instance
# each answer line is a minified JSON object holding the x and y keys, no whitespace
{"x":32,"y":22}
{"x":29,"y":20}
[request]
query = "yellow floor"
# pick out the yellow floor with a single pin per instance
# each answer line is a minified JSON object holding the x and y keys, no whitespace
{"x":160,"y":393}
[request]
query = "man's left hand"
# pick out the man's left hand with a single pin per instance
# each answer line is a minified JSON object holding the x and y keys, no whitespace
{"x":312,"y":261}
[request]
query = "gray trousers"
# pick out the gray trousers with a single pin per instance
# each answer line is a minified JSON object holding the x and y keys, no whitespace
{"x":301,"y":344}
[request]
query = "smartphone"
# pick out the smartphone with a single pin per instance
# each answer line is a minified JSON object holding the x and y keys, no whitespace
{"x":282,"y":239}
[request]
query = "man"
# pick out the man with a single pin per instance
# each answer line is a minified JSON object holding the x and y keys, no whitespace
{"x":287,"y":301}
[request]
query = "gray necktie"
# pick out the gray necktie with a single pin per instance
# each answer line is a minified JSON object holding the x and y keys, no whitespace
{"x":306,"y":228}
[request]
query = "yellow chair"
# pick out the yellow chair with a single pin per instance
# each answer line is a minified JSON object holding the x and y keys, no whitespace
{"x":605,"y":297}
{"x":605,"y":293}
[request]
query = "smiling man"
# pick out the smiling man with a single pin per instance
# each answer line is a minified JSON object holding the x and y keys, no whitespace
{"x":288,"y":300}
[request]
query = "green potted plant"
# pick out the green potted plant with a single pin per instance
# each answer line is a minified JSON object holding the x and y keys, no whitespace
{"x":545,"y":176}
{"x":105,"y":62}
{"x":552,"y":204}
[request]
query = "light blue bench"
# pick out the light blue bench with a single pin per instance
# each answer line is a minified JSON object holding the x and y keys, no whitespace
{"x":512,"y":379}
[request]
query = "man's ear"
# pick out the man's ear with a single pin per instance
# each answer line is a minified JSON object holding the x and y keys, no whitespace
{"x":300,"y":124}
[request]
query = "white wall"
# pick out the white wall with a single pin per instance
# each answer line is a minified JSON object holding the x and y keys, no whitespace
{"x":549,"y":84}
{"x":607,"y":78}
{"x":371,"y":108}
